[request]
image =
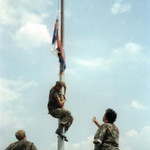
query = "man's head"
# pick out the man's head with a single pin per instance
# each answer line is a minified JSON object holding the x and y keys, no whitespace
{"x":20,"y":135}
{"x":59,"y":85}
{"x":110,"y":116}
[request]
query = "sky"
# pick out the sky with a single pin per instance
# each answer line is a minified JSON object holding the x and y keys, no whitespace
{"x":107,"y":58}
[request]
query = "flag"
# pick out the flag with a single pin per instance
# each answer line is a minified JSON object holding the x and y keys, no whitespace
{"x":54,"y":39}
{"x":57,"y":49}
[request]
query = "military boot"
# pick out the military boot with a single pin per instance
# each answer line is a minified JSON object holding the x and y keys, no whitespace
{"x":59,"y":131}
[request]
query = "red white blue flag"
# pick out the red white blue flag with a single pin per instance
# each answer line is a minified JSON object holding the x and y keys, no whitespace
{"x":57,"y":49}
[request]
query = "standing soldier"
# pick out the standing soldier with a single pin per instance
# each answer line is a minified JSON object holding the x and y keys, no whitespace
{"x":107,"y":135}
{"x":56,"y":107}
{"x":22,"y":143}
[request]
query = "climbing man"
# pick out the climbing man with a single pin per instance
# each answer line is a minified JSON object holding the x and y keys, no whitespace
{"x":22,"y":143}
{"x":56,"y":107}
{"x":107,"y":135}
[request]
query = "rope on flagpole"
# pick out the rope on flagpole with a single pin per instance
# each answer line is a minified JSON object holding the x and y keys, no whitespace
{"x":58,"y":10}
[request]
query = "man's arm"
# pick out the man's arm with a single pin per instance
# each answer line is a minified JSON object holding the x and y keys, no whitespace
{"x":33,"y":147}
{"x":64,"y":88}
{"x":96,"y":122}
{"x":101,"y":133}
{"x":8,"y":148}
{"x":61,"y":101}
{"x":11,"y":146}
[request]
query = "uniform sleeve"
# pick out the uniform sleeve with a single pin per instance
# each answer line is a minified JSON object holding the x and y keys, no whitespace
{"x":33,"y":147}
{"x":10,"y":146}
{"x":56,"y":95}
{"x":100,"y":134}
{"x":96,"y":136}
{"x":102,"y":131}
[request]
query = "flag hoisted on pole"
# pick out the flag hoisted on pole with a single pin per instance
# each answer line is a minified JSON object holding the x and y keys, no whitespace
{"x":57,"y":47}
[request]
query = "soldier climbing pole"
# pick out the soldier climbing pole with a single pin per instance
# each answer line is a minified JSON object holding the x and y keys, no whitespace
{"x":57,"y":99}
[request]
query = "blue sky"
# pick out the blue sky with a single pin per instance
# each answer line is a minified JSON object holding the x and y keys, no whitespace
{"x":107,"y":57}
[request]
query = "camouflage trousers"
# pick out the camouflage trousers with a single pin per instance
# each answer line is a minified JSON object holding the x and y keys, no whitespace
{"x":64,"y":116}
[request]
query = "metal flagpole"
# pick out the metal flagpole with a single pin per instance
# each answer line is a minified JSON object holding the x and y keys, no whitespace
{"x":62,"y":74}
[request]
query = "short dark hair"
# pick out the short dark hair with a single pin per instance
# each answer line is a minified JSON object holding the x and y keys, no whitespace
{"x":20,"y":134}
{"x":59,"y":83}
{"x":111,"y":115}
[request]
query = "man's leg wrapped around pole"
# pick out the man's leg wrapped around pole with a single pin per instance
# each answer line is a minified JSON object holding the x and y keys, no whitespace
{"x":64,"y":116}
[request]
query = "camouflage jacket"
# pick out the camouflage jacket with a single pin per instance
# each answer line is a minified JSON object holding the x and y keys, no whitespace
{"x":21,"y":145}
{"x":108,"y":134}
{"x":52,"y":103}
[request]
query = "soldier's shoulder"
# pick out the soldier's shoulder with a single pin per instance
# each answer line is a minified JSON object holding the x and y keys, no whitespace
{"x":105,"y":125}
{"x":115,"y":127}
{"x":28,"y":142}
{"x":31,"y":145}
{"x":12,"y":145}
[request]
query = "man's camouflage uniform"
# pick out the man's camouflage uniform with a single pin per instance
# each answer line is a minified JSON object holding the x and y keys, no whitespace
{"x":21,"y":145}
{"x":56,"y":111}
{"x":108,"y":134}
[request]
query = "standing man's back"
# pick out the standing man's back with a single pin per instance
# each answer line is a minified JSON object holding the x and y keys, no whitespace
{"x":22,"y":143}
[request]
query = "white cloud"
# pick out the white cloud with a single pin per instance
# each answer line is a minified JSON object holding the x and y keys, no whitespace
{"x":133,"y":48}
{"x":132,"y":134}
{"x":137,"y":105}
{"x":97,"y":63}
{"x":7,"y":13}
{"x":129,"y":51}
{"x":10,"y":92}
{"x":19,"y":12}
{"x":10,"y":89}
{"x":72,"y":73}
{"x":133,"y":139}
{"x":8,"y":117}
{"x":7,"y":94}
{"x":83,"y":145}
{"x":32,"y":35}
{"x":118,"y":7}
{"x":10,"y":102}
{"x":30,"y":17}
{"x":12,"y":14}
{"x":23,"y":85}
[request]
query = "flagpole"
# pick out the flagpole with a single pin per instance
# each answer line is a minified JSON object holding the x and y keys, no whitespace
{"x":62,"y":74}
